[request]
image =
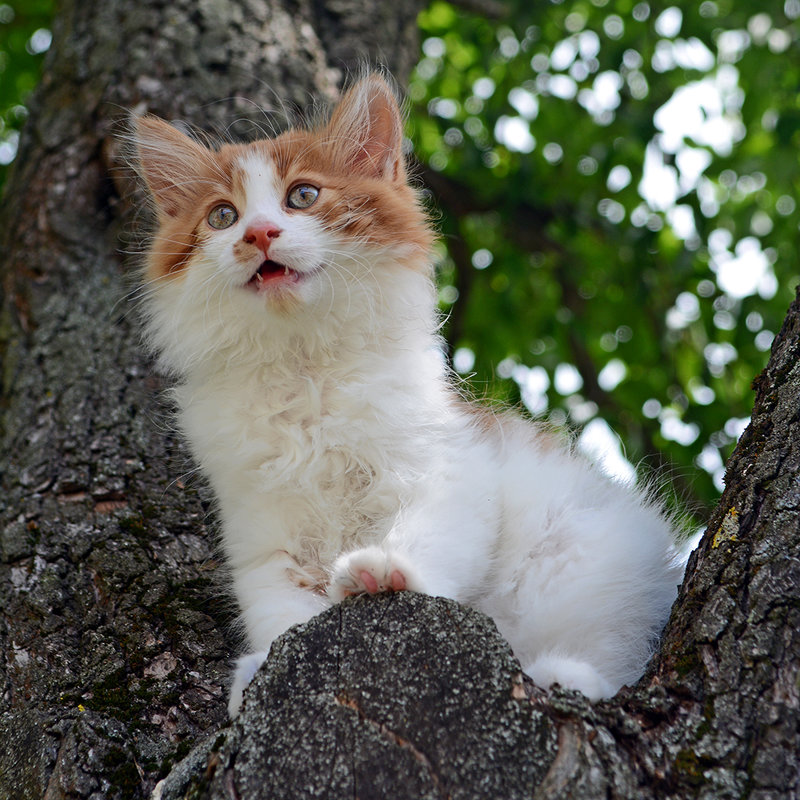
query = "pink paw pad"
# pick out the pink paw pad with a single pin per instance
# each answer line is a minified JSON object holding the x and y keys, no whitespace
{"x":370,"y":584}
{"x":397,"y":582}
{"x":369,"y":571}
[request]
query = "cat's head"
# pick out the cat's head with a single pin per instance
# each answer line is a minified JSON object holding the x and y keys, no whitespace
{"x":302,"y":223}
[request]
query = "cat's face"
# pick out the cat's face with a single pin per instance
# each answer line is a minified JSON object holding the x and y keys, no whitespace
{"x":285,"y":222}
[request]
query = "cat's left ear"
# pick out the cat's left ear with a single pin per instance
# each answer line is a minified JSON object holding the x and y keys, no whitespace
{"x":367,"y":130}
{"x":174,"y":166}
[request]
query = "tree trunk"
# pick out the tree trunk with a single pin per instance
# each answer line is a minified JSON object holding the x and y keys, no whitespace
{"x":114,"y":643}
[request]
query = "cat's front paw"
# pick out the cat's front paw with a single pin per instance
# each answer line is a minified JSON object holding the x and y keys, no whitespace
{"x":246,"y":667}
{"x":369,"y":571}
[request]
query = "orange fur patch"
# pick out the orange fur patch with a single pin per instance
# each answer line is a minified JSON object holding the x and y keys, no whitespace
{"x":356,"y":197}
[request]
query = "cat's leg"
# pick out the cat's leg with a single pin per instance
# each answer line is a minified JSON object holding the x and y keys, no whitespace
{"x":440,"y":545}
{"x":370,"y":570}
{"x":571,"y":673}
{"x":246,"y":668}
{"x":584,"y":579}
{"x":273,"y":596}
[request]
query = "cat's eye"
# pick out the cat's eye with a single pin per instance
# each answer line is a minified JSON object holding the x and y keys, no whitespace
{"x":302,"y":196}
{"x":222,"y":216}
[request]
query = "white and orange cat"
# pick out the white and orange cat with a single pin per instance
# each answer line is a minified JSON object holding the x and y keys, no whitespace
{"x":289,"y":290}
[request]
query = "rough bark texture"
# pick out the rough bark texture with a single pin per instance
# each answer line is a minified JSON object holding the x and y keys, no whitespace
{"x":114,"y":646}
{"x":396,"y":696}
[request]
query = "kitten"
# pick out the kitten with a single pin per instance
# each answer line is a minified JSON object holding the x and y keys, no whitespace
{"x":289,"y":290}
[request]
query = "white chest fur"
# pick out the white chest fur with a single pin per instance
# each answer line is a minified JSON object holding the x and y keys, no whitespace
{"x":312,"y":459}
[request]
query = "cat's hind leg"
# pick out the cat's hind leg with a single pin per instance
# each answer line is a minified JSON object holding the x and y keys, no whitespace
{"x":371,"y":570}
{"x":570,"y":673}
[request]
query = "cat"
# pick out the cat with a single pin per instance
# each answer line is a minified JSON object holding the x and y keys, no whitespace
{"x":289,"y":290}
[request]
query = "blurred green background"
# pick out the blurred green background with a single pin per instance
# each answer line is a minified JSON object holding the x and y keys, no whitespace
{"x":24,"y":39}
{"x":616,"y":183}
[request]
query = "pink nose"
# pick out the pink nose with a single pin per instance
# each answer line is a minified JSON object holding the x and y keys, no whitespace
{"x":261,"y":235}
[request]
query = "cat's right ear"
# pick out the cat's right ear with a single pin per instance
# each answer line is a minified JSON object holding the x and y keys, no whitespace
{"x":170,"y":163}
{"x":367,"y":128}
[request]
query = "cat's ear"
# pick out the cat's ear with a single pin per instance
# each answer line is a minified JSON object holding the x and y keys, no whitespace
{"x":367,"y":129}
{"x":172,"y":164}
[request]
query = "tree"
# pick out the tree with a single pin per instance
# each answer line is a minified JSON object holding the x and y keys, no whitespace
{"x":108,"y":577}
{"x":114,"y":648}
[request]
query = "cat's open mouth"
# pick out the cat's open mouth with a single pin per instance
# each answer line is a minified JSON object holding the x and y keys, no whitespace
{"x":271,"y":271}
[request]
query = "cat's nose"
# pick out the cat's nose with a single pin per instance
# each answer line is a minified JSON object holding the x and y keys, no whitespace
{"x":261,"y":234}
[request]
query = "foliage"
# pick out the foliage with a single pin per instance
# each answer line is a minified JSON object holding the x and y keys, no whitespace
{"x":24,"y":38}
{"x":617,"y":184}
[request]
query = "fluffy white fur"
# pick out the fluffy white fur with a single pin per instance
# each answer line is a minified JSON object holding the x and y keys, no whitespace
{"x":335,"y":445}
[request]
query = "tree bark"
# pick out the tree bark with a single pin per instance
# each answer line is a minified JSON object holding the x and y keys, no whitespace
{"x":114,"y":642}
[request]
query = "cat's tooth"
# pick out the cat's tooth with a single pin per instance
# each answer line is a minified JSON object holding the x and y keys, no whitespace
{"x":285,"y":270}
{"x":259,"y":278}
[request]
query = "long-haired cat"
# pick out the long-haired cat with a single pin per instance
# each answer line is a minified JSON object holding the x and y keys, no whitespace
{"x":289,"y":291}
